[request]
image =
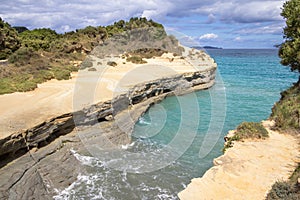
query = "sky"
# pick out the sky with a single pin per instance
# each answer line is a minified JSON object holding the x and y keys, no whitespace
{"x":221,"y":23}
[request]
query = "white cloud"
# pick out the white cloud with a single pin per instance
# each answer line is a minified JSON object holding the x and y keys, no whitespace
{"x":243,"y":11}
{"x":210,"y":19}
{"x":76,"y":13}
{"x":229,"y":18}
{"x":275,"y":29}
{"x":208,"y":36}
{"x":238,"y":39}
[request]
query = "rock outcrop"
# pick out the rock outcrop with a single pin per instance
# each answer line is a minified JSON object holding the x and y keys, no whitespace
{"x":42,"y":134}
{"x":46,"y":162}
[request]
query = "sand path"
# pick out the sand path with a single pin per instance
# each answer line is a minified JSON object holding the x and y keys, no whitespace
{"x":248,"y":170}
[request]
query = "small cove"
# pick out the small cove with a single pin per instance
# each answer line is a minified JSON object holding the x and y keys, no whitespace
{"x":253,"y":80}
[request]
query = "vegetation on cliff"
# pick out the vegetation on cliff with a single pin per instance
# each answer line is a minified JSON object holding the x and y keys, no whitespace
{"x":35,"y":56}
{"x":287,"y":190}
{"x":286,"y":112}
{"x":247,"y":130}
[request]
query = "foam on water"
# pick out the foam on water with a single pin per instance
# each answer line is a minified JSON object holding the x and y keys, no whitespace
{"x":142,"y":120}
{"x":127,"y":146}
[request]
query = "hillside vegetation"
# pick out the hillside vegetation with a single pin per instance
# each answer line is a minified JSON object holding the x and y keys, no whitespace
{"x":35,"y":56}
{"x":286,"y":112}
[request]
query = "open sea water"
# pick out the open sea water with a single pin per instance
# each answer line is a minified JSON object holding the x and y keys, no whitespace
{"x":177,"y":139}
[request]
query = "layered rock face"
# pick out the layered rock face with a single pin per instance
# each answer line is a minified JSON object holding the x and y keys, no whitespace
{"x":53,"y":166}
{"x":39,"y":129}
{"x":46,"y":132}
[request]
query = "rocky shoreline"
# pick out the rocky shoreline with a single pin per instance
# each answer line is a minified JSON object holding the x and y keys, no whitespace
{"x":37,"y":162}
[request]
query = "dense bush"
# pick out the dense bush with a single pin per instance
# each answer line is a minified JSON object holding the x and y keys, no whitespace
{"x":254,"y":130}
{"x":9,"y":41}
{"x":38,"y":38}
{"x":23,"y":56}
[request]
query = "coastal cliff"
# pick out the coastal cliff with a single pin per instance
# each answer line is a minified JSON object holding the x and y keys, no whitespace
{"x":42,"y":134}
{"x":129,"y":67}
{"x":38,"y":159}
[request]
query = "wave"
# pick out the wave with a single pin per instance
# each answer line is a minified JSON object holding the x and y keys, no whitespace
{"x":142,"y":120}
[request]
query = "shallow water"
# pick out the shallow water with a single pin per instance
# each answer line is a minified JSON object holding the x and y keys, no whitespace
{"x":177,"y":139}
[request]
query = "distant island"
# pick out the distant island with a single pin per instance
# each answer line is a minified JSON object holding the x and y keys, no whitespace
{"x":206,"y":47}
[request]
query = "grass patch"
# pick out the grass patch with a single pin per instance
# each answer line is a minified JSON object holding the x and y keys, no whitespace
{"x":18,"y":83}
{"x":247,"y":130}
{"x":136,"y":60}
{"x":26,"y":82}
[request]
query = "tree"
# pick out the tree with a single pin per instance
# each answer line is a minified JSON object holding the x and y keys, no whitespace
{"x":38,"y":38}
{"x":9,"y":41}
{"x":289,"y":51}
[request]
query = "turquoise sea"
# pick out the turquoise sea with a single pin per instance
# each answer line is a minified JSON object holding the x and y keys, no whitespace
{"x":248,"y":84}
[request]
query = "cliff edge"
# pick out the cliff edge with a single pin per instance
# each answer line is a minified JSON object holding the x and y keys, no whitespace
{"x":40,"y":127}
{"x":248,"y":169}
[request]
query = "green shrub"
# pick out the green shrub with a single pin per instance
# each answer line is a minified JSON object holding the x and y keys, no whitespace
{"x":112,"y":63}
{"x":253,"y":130}
{"x":284,"y":191}
{"x":136,"y":60}
{"x":61,"y":73}
{"x":23,"y":56}
{"x":287,"y":190}
{"x":27,"y":85}
{"x":38,"y":38}
{"x":6,"y":86}
{"x":247,"y":130}
{"x":42,"y":76}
